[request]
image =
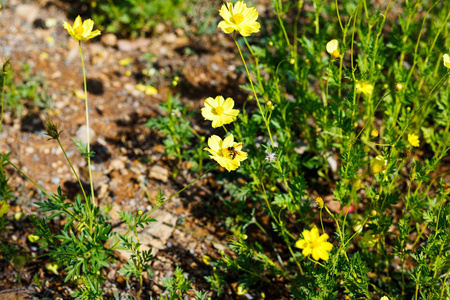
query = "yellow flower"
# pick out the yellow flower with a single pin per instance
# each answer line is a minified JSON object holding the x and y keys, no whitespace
{"x":446,"y":60}
{"x":332,"y":48}
{"x":239,"y":18}
{"x":319,"y":202}
{"x":33,"y":238}
{"x":413,"y":140}
{"x":147,"y":89}
{"x":3,"y":208}
{"x":374,"y":133}
{"x":82,"y":31}
{"x":52,"y":267}
{"x":206,"y":259}
{"x":315,"y":244}
{"x":227,"y":153}
{"x":241,"y":290}
{"x":378,"y":164}
{"x":219,"y":111}
{"x":384,"y":298}
{"x":364,"y":87}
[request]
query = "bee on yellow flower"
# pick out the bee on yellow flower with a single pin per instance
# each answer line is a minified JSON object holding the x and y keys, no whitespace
{"x":315,"y":245}
{"x":220,"y":111}
{"x":239,"y":18}
{"x":82,"y":31}
{"x":413,"y":140}
{"x":333,"y":48}
{"x":227,"y":153}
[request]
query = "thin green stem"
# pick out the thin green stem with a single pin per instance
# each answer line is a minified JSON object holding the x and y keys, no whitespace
{"x":26,"y":176}
{"x":3,"y":100}
{"x":92,"y":198}
{"x":73,"y":170}
{"x":177,"y":193}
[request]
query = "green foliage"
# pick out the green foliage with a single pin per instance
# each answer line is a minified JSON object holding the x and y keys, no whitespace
{"x":134,"y":17}
{"x":28,"y":92}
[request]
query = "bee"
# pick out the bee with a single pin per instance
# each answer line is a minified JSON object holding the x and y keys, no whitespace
{"x":233,"y":151}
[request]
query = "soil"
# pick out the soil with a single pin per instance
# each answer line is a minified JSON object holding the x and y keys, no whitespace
{"x":130,"y":164}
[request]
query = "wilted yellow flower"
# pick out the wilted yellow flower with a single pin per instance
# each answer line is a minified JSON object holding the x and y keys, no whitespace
{"x":364,"y":87}
{"x":33,"y":238}
{"x":227,"y":153}
{"x":206,"y":260}
{"x":446,"y":60}
{"x":52,"y":267}
{"x":319,"y":202}
{"x":125,"y":61}
{"x":374,"y":133}
{"x":219,"y":111}
{"x":239,"y":18}
{"x":147,"y":89}
{"x":413,"y":140}
{"x":378,"y":164}
{"x":241,"y":290}
{"x":82,"y":31}
{"x":4,"y":207}
{"x":315,"y":244}
{"x":332,"y":48}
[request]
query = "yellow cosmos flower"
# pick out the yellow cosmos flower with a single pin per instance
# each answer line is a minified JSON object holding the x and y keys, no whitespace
{"x":333,"y":48}
{"x":364,"y":87}
{"x":239,"y":18}
{"x":82,"y":31}
{"x":227,"y":153}
{"x":413,"y":140}
{"x":314,"y":244}
{"x":3,"y":208}
{"x":446,"y":60}
{"x":378,"y":164}
{"x":219,"y":111}
{"x":319,"y":202}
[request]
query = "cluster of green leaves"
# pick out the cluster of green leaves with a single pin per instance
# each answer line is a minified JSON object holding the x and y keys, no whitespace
{"x":178,"y":286}
{"x":316,"y":114}
{"x":179,"y":133}
{"x":28,"y":92}
{"x":134,"y":17}
{"x":79,"y":245}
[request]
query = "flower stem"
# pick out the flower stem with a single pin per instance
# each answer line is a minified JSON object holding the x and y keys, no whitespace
{"x":24,"y":175}
{"x":92,"y":198}
{"x":3,"y":102}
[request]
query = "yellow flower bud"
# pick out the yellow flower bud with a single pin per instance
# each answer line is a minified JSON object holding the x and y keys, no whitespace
{"x":399,"y":86}
{"x":374,"y":133}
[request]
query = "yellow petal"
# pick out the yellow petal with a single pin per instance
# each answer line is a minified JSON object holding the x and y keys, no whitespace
{"x":332,"y":46}
{"x":215,"y":143}
{"x":228,"y":141}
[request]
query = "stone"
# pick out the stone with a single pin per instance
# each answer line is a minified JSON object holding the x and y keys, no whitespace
{"x":155,"y":235}
{"x":109,"y":39}
{"x":81,"y":134}
{"x":28,"y":12}
{"x":116,"y":164}
{"x":159,"y":173}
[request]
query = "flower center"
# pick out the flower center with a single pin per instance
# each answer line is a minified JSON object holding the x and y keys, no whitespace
{"x":237,"y":18}
{"x":218,"y":110}
{"x":225,"y":152}
{"x":79,"y":30}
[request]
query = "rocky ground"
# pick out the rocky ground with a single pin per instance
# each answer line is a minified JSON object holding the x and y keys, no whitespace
{"x":32,"y":32}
